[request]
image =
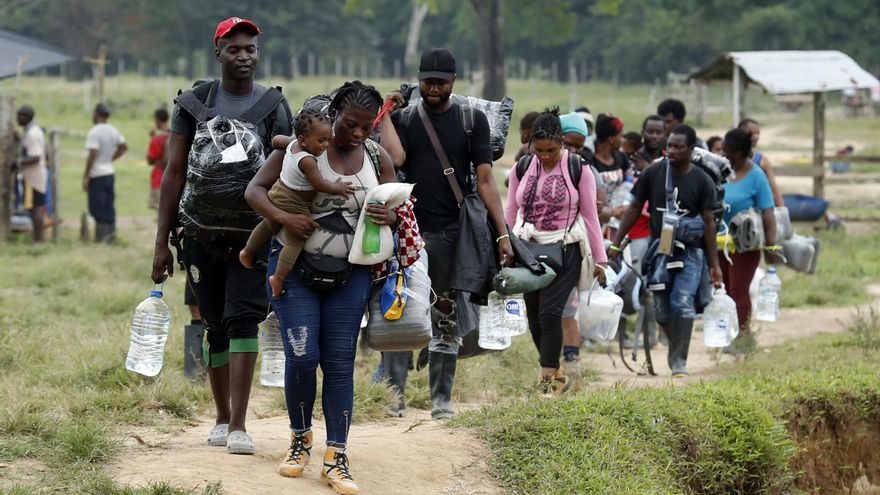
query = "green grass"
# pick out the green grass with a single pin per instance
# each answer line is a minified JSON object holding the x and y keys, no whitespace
{"x":736,"y":435}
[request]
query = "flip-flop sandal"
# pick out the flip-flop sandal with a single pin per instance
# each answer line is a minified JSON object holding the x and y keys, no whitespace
{"x":239,"y":442}
{"x":217,"y":437}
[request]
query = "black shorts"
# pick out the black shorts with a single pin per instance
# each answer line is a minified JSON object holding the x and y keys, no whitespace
{"x":189,"y":297}
{"x":232,"y":299}
{"x":37,"y":199}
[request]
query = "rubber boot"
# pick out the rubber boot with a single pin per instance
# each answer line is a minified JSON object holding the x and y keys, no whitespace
{"x":396,"y":368}
{"x":680,"y":330}
{"x":105,"y":232}
{"x":441,"y":374}
{"x":193,"y":360}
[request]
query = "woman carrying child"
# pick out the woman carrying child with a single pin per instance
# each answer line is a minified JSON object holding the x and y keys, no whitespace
{"x":294,"y":191}
{"x":320,"y":327}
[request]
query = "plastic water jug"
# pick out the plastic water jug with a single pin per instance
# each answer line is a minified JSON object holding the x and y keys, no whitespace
{"x":149,"y":331}
{"x":370,"y":244}
{"x":768,"y":296}
{"x":599,"y":310}
{"x":272,"y":350}
{"x":515,"y":321}
{"x":493,"y":331}
{"x":720,"y":323}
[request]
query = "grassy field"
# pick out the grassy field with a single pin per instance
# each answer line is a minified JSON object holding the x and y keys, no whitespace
{"x":65,"y":309}
{"x":783,"y":422}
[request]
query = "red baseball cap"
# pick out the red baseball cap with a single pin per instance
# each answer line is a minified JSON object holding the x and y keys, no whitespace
{"x":224,"y":27}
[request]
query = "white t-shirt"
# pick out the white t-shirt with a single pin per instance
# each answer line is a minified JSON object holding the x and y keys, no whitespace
{"x":34,"y":144}
{"x":104,"y":138}
{"x":291,"y":175}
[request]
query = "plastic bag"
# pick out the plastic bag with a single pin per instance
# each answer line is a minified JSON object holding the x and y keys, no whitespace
{"x":413,"y":329}
{"x":599,"y":311}
{"x":392,"y":195}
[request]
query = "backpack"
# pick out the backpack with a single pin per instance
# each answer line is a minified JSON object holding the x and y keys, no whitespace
{"x":575,"y":167}
{"x":321,"y":103}
{"x":498,"y":114}
{"x":719,"y":170}
{"x":224,"y":156}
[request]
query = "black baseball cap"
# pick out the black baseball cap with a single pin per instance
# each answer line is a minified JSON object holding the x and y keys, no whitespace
{"x":437,"y":63}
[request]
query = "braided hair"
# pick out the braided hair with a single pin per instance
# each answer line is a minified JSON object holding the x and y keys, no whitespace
{"x":308,"y":119}
{"x":355,"y":94}
{"x":739,"y":140}
{"x":547,"y":125}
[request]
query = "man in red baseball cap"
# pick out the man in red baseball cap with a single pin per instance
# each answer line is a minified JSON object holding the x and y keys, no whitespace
{"x":231,"y":298}
{"x":225,"y":28}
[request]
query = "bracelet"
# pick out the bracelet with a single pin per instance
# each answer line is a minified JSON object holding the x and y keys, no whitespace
{"x":614,"y":247}
{"x":774,"y":248}
{"x":505,"y":236}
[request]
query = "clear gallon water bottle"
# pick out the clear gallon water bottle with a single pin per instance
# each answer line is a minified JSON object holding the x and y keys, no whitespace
{"x":493,"y":330}
{"x":515,"y":322}
{"x":272,"y":349}
{"x":720,"y":323}
{"x":149,"y":331}
{"x":768,"y":296}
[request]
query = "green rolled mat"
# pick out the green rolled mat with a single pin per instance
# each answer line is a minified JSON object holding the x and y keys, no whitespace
{"x":521,"y":280}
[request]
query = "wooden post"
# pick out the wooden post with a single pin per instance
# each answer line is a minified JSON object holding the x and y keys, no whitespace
{"x":737,"y":90}
{"x":99,"y":65}
{"x":53,"y":152}
{"x":819,"y":144}
{"x":7,"y":152}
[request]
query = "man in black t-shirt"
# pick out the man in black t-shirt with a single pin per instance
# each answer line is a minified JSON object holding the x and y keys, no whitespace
{"x":694,"y":193}
{"x":437,"y":210}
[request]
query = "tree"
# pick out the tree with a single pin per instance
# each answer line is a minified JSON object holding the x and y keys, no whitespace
{"x":490,"y":26}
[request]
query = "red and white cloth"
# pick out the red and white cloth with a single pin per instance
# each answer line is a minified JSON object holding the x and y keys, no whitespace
{"x":409,"y":240}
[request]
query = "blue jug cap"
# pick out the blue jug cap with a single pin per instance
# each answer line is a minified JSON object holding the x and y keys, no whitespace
{"x":772,"y":269}
{"x":155,"y":293}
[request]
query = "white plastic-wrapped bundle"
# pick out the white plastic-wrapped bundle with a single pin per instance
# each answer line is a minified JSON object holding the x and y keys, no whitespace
{"x":224,"y":157}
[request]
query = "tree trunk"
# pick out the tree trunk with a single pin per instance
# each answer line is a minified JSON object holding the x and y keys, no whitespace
{"x":490,"y":25}
{"x":419,"y":12}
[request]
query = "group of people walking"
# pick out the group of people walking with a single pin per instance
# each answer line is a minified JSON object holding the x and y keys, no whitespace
{"x":308,"y":185}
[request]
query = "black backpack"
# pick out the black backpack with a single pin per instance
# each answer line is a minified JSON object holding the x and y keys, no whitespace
{"x":575,"y":167}
{"x":224,"y":156}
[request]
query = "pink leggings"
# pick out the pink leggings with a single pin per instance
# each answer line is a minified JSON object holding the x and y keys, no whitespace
{"x":737,"y":278}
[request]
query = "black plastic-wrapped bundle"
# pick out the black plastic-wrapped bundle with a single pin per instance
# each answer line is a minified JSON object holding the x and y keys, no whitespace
{"x":224,"y":157}
{"x":499,"y":114}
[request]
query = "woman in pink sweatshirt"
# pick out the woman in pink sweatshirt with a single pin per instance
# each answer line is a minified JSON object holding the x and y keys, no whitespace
{"x":546,"y":207}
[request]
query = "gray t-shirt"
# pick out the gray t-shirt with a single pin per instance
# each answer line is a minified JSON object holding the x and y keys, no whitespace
{"x":233,"y":106}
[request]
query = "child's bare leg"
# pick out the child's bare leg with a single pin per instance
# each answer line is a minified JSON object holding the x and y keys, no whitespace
{"x":246,"y":257}
{"x":286,"y":259}
{"x":276,"y":280}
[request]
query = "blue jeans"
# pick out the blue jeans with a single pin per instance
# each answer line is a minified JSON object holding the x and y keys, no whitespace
{"x":680,"y":300}
{"x":320,"y":328}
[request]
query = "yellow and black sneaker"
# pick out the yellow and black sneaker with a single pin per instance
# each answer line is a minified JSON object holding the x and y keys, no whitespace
{"x":298,"y":455}
{"x":335,"y":471}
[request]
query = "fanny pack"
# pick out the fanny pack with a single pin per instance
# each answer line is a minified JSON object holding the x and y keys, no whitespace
{"x":549,"y":254}
{"x":323,"y":273}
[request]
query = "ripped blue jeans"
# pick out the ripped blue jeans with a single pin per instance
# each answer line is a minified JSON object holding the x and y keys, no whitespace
{"x":320,"y":328}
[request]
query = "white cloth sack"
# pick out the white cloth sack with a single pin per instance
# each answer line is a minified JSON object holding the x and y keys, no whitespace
{"x":392,"y":195}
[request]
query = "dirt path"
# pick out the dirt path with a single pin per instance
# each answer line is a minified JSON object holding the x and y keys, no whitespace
{"x":398,"y":456}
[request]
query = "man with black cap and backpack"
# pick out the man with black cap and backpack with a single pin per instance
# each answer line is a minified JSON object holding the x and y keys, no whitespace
{"x":468,"y":152}
{"x":221,"y":131}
